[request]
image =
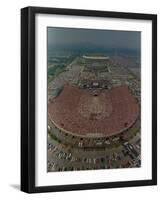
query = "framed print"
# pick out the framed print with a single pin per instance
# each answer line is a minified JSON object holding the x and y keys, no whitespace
{"x":88,"y":99}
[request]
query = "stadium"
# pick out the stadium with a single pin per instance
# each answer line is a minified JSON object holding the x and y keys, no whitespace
{"x":93,"y":110}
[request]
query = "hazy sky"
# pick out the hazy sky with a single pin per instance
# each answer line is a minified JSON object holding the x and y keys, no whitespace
{"x":93,"y":37}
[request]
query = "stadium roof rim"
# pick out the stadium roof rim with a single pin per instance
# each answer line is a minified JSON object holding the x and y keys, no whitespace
{"x":96,"y":57}
{"x":92,"y":135}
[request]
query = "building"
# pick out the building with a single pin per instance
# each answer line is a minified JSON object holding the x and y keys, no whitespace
{"x":96,"y":63}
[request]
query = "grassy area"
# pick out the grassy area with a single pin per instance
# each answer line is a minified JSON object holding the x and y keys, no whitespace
{"x":55,"y":71}
{"x":52,"y":71}
{"x":132,"y":75}
{"x":54,"y":137}
{"x":59,"y":68}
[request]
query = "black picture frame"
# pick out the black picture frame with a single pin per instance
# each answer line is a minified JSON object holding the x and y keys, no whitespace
{"x":28,"y":98}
